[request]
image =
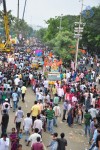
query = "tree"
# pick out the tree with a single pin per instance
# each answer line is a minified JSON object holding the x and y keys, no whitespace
{"x":91,"y":34}
{"x":62,"y":44}
{"x":54,"y":23}
{"x":41,"y":34}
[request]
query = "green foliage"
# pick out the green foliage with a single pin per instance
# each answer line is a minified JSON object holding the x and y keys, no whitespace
{"x":41,"y":34}
{"x":67,"y":23}
{"x":61,"y":45}
{"x":91,"y":34}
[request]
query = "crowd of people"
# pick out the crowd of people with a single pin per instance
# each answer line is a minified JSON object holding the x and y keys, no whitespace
{"x":75,"y":99}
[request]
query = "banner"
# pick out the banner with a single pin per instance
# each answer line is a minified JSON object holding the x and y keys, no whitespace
{"x":38,"y":52}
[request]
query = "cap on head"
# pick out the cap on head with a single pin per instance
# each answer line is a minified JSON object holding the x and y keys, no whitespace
{"x":6,"y":99}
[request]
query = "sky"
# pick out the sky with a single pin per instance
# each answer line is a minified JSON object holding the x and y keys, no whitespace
{"x":39,"y":10}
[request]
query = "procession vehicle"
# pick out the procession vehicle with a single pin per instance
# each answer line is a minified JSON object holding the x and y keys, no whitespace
{"x":7,"y":45}
{"x":54,"y":77}
{"x":34,"y":64}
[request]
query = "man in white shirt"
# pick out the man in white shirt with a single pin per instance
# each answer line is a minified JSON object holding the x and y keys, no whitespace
{"x":93,"y":72}
{"x":68,"y":76}
{"x":93,"y":112}
{"x":38,"y":124}
{"x":33,"y":137}
{"x":37,"y":93}
{"x":48,"y":97}
{"x":57,"y":111}
{"x":60,"y":92}
{"x":27,"y":125}
{"x":46,"y":84}
{"x":18,"y":118}
{"x":91,"y":94}
{"x":4,"y":143}
{"x":16,"y":81}
{"x":74,"y":99}
{"x":40,"y":95}
{"x":69,"y":106}
{"x":82,"y":87}
{"x":86,"y":94}
{"x":30,"y":76}
{"x":6,"y":105}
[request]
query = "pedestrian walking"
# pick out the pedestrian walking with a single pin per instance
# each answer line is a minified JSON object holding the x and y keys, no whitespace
{"x":38,"y":124}
{"x":65,"y":108}
{"x":57,"y":112}
{"x":33,"y":137}
{"x":4,"y":142}
{"x":4,"y":122}
{"x":18,"y":118}
{"x":38,"y":145}
{"x":35,"y":110}
{"x":14,"y":139}
{"x":50,"y":116}
{"x":27,"y":126}
{"x":15,"y":100}
{"x":62,"y":142}
{"x":53,"y":144}
{"x":23,"y":90}
{"x":87,"y":118}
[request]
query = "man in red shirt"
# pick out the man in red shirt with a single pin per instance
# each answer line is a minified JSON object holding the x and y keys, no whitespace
{"x":38,"y":145}
{"x":64,"y":88}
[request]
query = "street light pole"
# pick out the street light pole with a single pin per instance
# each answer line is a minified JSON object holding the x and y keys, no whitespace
{"x":18,"y":10}
{"x":78,"y":36}
{"x":60,"y":27}
{"x":18,"y":19}
{"x":24,"y":9}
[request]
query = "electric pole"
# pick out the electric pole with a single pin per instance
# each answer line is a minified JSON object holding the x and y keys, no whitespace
{"x":24,"y":9}
{"x":18,"y":10}
{"x":60,"y":26}
{"x":78,"y":30}
{"x":18,"y":19}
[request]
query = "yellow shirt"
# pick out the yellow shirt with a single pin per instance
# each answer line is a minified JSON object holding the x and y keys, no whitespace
{"x":64,"y":75}
{"x":23,"y":89}
{"x":35,"y":110}
{"x":20,"y":76}
{"x":54,"y":91}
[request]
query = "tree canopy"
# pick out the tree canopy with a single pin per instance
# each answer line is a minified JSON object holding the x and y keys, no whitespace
{"x":91,"y":34}
{"x":59,"y":41}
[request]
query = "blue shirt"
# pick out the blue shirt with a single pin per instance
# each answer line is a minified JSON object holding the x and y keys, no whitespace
{"x":95,"y":135}
{"x":15,"y":96}
{"x":65,"y":106}
{"x":53,"y":145}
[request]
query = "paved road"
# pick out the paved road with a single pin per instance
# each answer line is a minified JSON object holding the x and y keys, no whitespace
{"x":75,"y":135}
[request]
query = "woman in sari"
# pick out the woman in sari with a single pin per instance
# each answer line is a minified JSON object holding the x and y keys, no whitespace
{"x":70,"y":117}
{"x":14,"y":140}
